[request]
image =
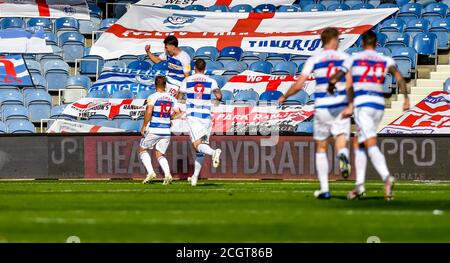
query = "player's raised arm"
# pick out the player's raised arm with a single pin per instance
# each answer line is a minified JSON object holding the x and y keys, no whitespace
{"x":350,"y":94}
{"x":153,"y":58}
{"x":401,"y":85}
{"x":147,"y":118}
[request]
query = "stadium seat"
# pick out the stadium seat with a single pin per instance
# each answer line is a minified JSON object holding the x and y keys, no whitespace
{"x":265,"y":8}
{"x":304,"y":3}
{"x":271,"y":95}
{"x":305,"y":127}
{"x":189,"y":50}
{"x":3,"y":128}
{"x":195,"y":8}
{"x":219,"y":79}
{"x":98,"y":94}
{"x":387,"y":5}
{"x":56,"y":73}
{"x":252,"y":56}
{"x":131,"y":126}
{"x":45,"y":23}
{"x":425,"y":44}
{"x":39,"y":112}
{"x":14,"y":112}
{"x":143,"y":95}
{"x":90,"y":65}
{"x":37,"y":96}
{"x":51,"y":39}
{"x":246,"y":95}
{"x":314,"y":8}
{"x":160,"y":67}
{"x":107,"y":123}
{"x":243,"y":8}
{"x":11,"y":22}
{"x":329,"y":3}
{"x":11,"y":97}
{"x":285,"y":68}
{"x":288,"y":9}
{"x":72,"y":45}
{"x":173,"y":7}
{"x":57,"y":111}
{"x":121,"y":8}
{"x":21,"y":126}
{"x":34,"y":67}
{"x":88,"y":26}
{"x":78,"y":81}
{"x":381,"y":39}
{"x":107,"y":23}
{"x":230,"y":53}
{"x":39,"y":81}
{"x":261,"y":66}
{"x":441,"y":28}
{"x":415,"y":26}
{"x":65,"y":24}
{"x":353,"y":50}
{"x":122,"y":94}
{"x":406,"y":54}
{"x":207,"y":53}
{"x":227,"y":96}
{"x":392,"y":25}
{"x":383,"y":51}
{"x":338,"y":7}
{"x":300,"y":97}
{"x":275,"y":58}
{"x":410,"y":10}
{"x":362,"y":6}
{"x":397,"y":40}
{"x":435,"y":9}
{"x":114,"y":64}
{"x":213,"y":65}
{"x":218,"y":8}
{"x":447,"y":85}
{"x":298,"y":59}
{"x":235,"y":67}
{"x":140,"y":65}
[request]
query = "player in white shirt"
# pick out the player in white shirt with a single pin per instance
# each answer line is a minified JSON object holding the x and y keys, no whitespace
{"x":198,"y":89}
{"x":328,"y":118}
{"x":178,"y":63}
{"x":155,"y":130}
{"x":366,"y":72}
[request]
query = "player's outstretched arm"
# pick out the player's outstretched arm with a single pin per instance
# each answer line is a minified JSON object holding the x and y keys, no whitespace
{"x":350,"y":95}
{"x":147,"y":118}
{"x":153,"y":58}
{"x":333,"y":80}
{"x":296,"y":87}
{"x":401,"y":85}
{"x":218,"y":94}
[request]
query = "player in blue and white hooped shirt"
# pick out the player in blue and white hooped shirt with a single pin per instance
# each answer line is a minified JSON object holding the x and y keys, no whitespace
{"x":366,"y":72}
{"x":178,"y":63}
{"x":199,"y":89}
{"x":155,"y":130}
{"x":328,"y":118}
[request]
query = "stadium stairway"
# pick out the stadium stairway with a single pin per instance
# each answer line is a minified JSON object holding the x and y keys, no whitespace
{"x":430,"y":78}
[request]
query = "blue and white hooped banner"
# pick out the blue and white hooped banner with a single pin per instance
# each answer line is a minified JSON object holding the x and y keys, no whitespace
{"x":117,"y":79}
{"x":207,"y":3}
{"x":294,"y":33}
{"x":45,"y":8}
{"x":14,"y":72}
{"x":24,"y":40}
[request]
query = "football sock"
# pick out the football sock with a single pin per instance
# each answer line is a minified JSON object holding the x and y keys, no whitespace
{"x":164,"y":165}
{"x":146,"y":161}
{"x":204,"y":148}
{"x":360,"y":166}
{"x":378,"y":161}
{"x":345,"y":152}
{"x":198,"y":164}
{"x":322,"y":170}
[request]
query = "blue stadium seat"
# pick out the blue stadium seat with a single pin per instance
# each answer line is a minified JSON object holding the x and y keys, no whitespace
{"x":265,"y":8}
{"x":392,"y":25}
{"x":11,"y":22}
{"x":98,"y":94}
{"x":441,"y":27}
{"x":383,"y":51}
{"x":39,"y":81}
{"x":227,"y":96}
{"x":270,"y":95}
{"x":140,"y":65}
{"x":143,"y":95}
{"x":114,"y":64}
{"x":381,"y":39}
{"x":352,"y":2}
{"x":407,"y":53}
{"x":288,"y":9}
{"x":338,"y":7}
{"x":246,"y":95}
{"x":353,"y":50}
{"x":261,"y":66}
{"x":285,"y":68}
{"x":235,"y":67}
{"x":87,"y":26}
{"x":441,"y":23}
{"x":362,"y":6}
{"x":435,"y":9}
{"x":107,"y":23}
{"x":243,"y":8}
{"x":230,"y":53}
{"x":275,"y":58}
{"x":397,"y":40}
{"x":65,"y":24}
{"x":37,"y":96}
{"x":387,"y":5}
{"x":132,"y":126}
{"x":221,"y":81}
{"x":218,"y":8}
{"x":314,"y":8}
{"x":415,"y":26}
{"x":34,"y":67}
{"x":304,"y":3}
{"x":300,"y":97}
{"x":425,"y":44}
{"x":195,"y":8}
{"x":95,"y":11}
{"x":3,"y":128}
{"x":160,"y":67}
{"x":72,"y":44}
{"x":90,"y":65}
{"x":14,"y":112}
{"x":252,"y":56}
{"x":51,"y":39}
{"x":56,"y":73}
{"x":11,"y":97}
{"x":447,"y":85}
{"x":121,"y":9}
{"x":213,"y":65}
{"x":173,"y":7}
{"x":21,"y":126}
{"x":305,"y":127}
{"x":298,"y":59}
{"x":122,"y":94}
{"x":107,"y":123}
{"x":208,"y":53}
{"x":78,"y":81}
{"x":39,"y":112}
{"x":329,"y":3}
{"x":57,"y":111}
{"x":410,"y":10}
{"x":43,"y":22}
{"x":189,"y":50}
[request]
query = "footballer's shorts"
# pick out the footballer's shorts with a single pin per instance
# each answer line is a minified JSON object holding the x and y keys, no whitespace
{"x":329,"y":122}
{"x":199,"y":129}
{"x":151,"y":141}
{"x":367,"y":119}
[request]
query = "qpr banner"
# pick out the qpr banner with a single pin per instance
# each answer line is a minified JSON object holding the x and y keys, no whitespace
{"x":294,"y":33}
{"x":207,"y":3}
{"x":430,"y":116}
{"x":86,"y":107}
{"x":45,"y":8}
{"x":117,"y":79}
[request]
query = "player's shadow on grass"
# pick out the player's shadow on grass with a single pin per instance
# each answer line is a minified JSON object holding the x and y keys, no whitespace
{"x":370,"y":198}
{"x":208,"y":185}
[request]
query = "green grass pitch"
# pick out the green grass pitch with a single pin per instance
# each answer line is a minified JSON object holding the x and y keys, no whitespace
{"x":220,"y":211}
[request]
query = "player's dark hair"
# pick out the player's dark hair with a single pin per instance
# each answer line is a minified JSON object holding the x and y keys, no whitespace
{"x":369,"y":39}
{"x":329,"y":34}
{"x":160,"y":82}
{"x":200,"y":64}
{"x":171,"y":40}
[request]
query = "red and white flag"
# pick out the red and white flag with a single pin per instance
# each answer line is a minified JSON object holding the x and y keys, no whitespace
{"x":294,"y":33}
{"x":64,"y":126}
{"x":45,"y":8}
{"x":431,"y":115}
{"x":207,"y":3}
